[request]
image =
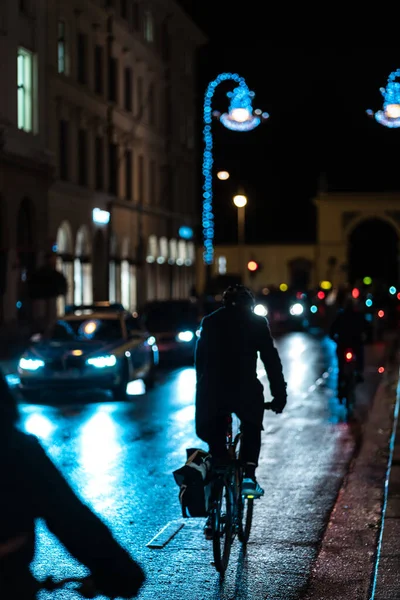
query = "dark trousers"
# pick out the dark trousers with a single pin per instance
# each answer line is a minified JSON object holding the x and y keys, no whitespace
{"x":250,"y":443}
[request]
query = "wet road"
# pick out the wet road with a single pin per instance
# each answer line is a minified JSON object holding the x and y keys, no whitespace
{"x":120,"y":458}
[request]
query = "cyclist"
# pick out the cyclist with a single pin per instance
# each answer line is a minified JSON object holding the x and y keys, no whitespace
{"x":227,"y":382}
{"x":31,"y":488}
{"x":348,"y":330}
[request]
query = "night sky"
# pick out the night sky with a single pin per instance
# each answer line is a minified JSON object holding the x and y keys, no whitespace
{"x":316,"y":98}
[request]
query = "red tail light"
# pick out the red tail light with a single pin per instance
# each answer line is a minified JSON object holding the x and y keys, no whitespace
{"x":349,"y":356}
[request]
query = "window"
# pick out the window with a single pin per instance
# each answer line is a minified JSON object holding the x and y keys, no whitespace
{"x":222,"y":265}
{"x":82,"y":157}
{"x":99,"y":70}
{"x":124,"y":9}
{"x":128,"y":174}
{"x":99,"y":163}
{"x":148,"y":26}
{"x":140,"y":104}
{"x":151,"y":102}
{"x":63,"y":141}
{"x":128,"y":89}
{"x":165,"y":42}
{"x":62,"y":48}
{"x":112,"y":169}
{"x":25,"y":89}
{"x":82,"y":57}
{"x":136,"y":16}
{"x":152,"y":183}
{"x":141,"y":179}
{"x":113,"y":79}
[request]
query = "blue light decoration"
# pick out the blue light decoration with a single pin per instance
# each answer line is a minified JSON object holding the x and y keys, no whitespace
{"x":241,"y":117}
{"x":185,"y":232}
{"x":390,"y":115}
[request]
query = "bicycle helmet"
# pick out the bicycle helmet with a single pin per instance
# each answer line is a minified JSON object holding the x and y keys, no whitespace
{"x":238,"y":295}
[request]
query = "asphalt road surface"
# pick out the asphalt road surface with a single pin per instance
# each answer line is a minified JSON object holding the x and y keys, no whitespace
{"x":119,"y":457}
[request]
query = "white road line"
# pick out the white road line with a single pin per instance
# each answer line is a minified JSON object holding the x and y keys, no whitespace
{"x":165,"y":534}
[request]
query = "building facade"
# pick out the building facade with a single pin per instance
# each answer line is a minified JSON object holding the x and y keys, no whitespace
{"x":115,"y":108}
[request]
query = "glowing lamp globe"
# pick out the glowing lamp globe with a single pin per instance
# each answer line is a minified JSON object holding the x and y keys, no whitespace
{"x":393,"y":111}
{"x":223,"y":175}
{"x":240,"y":201}
{"x":252,"y":266}
{"x":240,"y":115}
{"x":390,"y":115}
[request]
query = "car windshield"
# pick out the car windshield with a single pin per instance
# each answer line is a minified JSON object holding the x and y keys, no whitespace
{"x":164,"y":316}
{"x":86,"y":330}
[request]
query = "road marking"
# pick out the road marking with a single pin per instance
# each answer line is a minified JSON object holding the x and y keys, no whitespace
{"x":165,"y":534}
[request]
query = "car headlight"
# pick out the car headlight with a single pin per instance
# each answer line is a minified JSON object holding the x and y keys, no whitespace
{"x":260,"y":310}
{"x":185,"y":336}
{"x":30,"y":364}
{"x":151,"y":340}
{"x":296,"y":309}
{"x":100,"y":362}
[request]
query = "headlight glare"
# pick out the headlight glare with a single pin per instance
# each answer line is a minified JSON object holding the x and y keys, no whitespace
{"x":185,"y":336}
{"x":30,"y":364}
{"x":296,"y":309}
{"x":260,"y":310}
{"x":100,"y":362}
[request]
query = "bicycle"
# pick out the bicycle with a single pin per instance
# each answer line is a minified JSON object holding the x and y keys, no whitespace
{"x":348,"y":382}
{"x":231,"y":512}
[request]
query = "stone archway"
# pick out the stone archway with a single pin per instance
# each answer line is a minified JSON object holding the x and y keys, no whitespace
{"x":373,"y":252}
{"x":339,"y":213}
{"x":100,"y":266}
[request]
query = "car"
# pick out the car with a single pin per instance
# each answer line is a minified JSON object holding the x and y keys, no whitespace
{"x":285,"y":311}
{"x":175,"y":325}
{"x":93,"y":346}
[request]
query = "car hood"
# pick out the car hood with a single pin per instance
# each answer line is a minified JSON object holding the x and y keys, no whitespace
{"x":53,"y":350}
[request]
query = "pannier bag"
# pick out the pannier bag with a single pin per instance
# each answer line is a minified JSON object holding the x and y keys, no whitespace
{"x":194,"y":483}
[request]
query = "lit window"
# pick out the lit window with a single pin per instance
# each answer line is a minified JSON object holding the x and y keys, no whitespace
{"x":148,"y":26}
{"x":222,"y":265}
{"x":25,"y":92}
{"x":125,"y":285}
{"x":62,"y":49}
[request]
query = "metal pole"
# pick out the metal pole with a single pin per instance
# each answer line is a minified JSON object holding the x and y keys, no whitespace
{"x":241,"y":241}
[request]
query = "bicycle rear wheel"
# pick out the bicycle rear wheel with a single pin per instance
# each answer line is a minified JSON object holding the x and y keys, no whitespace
{"x":222,"y":525}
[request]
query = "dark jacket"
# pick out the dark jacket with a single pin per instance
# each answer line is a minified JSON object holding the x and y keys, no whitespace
{"x":226,"y":367}
{"x":31,"y":488}
{"x":348,"y":328}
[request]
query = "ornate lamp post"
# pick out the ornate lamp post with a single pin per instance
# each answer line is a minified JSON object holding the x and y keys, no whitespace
{"x":390,"y":115}
{"x":241,"y":117}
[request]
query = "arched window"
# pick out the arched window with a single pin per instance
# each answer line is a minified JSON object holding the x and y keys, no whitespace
{"x":148,"y":26}
{"x":152,"y":249}
{"x":181,"y":253}
{"x":191,"y":254}
{"x":173,"y":252}
{"x":83,"y":293}
{"x":163,"y":251}
{"x":222,"y":265}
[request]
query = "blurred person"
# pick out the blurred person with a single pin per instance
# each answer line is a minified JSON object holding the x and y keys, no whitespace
{"x":348,"y":330}
{"x":31,"y":488}
{"x":226,"y":366}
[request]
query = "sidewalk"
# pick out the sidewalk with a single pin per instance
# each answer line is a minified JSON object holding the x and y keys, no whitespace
{"x":359,"y":558}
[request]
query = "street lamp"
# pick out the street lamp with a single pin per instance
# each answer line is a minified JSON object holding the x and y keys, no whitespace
{"x":390,"y":115}
{"x":223,"y":175}
{"x":241,"y":117}
{"x":240,"y":201}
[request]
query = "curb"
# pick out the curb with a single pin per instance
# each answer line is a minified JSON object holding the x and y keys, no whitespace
{"x":346,"y":562}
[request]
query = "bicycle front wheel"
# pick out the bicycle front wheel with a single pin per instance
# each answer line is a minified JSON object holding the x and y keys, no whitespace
{"x":222,"y":525}
{"x":245,"y":507}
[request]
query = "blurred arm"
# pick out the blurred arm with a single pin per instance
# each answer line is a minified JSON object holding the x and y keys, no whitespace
{"x":271,"y":360}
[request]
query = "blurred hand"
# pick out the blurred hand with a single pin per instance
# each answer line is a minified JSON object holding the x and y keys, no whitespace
{"x":278,"y":404}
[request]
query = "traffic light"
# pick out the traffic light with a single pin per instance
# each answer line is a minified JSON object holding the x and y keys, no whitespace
{"x":253,"y":266}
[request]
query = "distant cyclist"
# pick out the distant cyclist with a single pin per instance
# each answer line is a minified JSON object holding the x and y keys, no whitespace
{"x":226,"y":367}
{"x":348,"y":330}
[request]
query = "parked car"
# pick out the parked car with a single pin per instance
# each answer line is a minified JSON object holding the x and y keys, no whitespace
{"x":97,"y":346}
{"x":174,"y":324}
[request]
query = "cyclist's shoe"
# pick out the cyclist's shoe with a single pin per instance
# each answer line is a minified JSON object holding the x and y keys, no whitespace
{"x":208,"y":529}
{"x":251,"y":488}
